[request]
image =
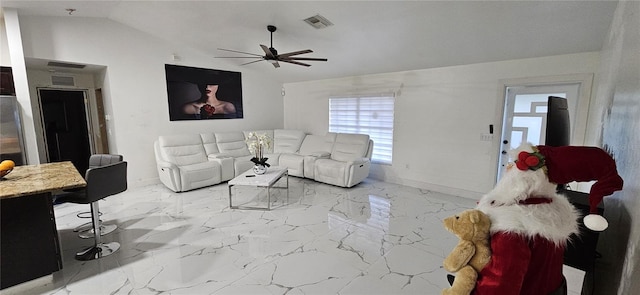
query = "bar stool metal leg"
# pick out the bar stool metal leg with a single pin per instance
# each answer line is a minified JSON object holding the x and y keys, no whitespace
{"x":105,"y":229}
{"x":99,"y":249}
{"x":85,"y":230}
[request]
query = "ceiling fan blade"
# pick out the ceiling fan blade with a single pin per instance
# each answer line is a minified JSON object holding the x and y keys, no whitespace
{"x":306,"y":58}
{"x":252,"y":62}
{"x":274,"y":63}
{"x":239,"y":52}
{"x":295,"y":63}
{"x":267,"y":51}
{"x":259,"y":56}
{"x":295,"y":53}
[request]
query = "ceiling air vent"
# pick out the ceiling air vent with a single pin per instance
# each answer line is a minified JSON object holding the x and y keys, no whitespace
{"x":65,"y":65}
{"x":318,"y":21}
{"x":62,"y":81}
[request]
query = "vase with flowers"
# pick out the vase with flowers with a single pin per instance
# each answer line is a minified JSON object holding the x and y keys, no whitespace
{"x":258,"y":143}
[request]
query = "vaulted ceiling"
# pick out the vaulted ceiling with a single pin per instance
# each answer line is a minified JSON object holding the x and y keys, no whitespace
{"x":366,"y":37}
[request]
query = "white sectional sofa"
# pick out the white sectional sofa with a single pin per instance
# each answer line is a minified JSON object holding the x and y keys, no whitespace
{"x":190,"y":161}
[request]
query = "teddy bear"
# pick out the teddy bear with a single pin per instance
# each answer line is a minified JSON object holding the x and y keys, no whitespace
{"x":473,"y":251}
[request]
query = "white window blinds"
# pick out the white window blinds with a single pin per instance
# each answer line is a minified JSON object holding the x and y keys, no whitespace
{"x":366,"y":114}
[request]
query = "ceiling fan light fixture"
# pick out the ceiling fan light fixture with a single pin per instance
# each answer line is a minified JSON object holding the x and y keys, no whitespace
{"x":318,"y":21}
{"x":271,"y":54}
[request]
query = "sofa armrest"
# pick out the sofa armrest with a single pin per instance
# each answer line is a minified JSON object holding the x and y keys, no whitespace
{"x":320,"y":155}
{"x":165,"y":165}
{"x":226,"y":165}
{"x":358,"y":171}
{"x":169,"y":175}
{"x":219,"y":156}
{"x":358,"y":161}
{"x":310,"y":160}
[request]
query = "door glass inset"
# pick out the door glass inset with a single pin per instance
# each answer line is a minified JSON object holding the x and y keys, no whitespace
{"x":525,"y":115}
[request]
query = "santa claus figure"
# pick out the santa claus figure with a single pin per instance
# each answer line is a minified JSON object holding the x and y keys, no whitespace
{"x":531,"y":223}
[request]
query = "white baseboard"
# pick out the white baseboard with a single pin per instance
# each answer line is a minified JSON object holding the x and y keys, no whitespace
{"x":143,"y":182}
{"x":413,"y":183}
{"x":429,"y":186}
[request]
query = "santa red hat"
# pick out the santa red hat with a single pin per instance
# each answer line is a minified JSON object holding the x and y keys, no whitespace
{"x":565,"y":164}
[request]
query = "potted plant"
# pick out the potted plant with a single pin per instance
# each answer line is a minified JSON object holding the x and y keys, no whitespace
{"x":258,"y":143}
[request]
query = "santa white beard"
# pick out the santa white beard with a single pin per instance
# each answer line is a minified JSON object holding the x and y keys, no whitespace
{"x":555,"y":220}
{"x":517,"y":185}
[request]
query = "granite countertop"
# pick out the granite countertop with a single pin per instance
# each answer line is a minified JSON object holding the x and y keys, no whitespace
{"x":33,"y":179}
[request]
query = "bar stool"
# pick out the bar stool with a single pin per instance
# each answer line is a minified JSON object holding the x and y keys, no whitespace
{"x":102,"y":182}
{"x":86,"y":229}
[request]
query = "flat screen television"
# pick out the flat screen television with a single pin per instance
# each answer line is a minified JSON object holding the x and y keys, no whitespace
{"x":557,"y":131}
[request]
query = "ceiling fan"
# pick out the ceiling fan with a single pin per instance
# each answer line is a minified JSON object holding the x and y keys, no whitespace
{"x":271,"y":54}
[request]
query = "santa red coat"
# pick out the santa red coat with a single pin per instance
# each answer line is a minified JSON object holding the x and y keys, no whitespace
{"x":521,"y":265}
{"x":530,"y":227}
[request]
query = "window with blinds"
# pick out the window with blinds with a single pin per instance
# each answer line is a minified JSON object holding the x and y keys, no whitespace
{"x":366,"y":114}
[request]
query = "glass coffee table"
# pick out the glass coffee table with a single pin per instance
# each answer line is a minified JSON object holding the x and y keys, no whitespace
{"x":266,"y":181}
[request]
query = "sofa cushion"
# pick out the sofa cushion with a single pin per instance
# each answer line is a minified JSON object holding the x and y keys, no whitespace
{"x":294,"y":163}
{"x":350,"y":146}
{"x":287,"y":141}
{"x":209,"y":143}
{"x":232,"y":144}
{"x":314,"y":144}
{"x":183,"y":149}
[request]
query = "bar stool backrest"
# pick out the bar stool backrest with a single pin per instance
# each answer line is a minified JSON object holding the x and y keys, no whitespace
{"x":98,"y":160}
{"x":106,"y":180}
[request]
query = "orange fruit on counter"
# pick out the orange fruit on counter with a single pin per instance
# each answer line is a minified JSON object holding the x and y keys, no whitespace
{"x":7,"y":165}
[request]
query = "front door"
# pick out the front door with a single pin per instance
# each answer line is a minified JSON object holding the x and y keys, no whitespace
{"x":525,"y":115}
{"x":64,"y":120}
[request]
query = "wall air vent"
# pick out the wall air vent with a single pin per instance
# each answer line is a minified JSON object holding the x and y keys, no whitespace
{"x":65,"y":65}
{"x":63,"y":81}
{"x":318,"y":21}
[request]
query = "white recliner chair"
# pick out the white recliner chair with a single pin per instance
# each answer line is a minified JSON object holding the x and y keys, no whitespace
{"x":349,"y":162}
{"x":182,"y":163}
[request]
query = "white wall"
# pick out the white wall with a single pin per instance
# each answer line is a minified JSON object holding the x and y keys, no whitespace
{"x":134,"y":86}
{"x":439,"y":116}
{"x":616,"y":124}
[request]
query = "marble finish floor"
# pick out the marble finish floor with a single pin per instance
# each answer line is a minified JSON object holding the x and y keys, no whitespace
{"x":375,"y":238}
